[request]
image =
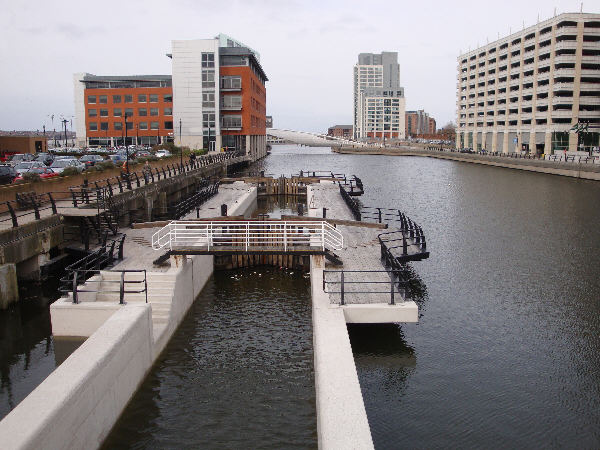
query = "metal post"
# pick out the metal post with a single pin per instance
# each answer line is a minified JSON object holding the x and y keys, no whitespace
{"x":323,"y":235}
{"x":324,"y":213}
{"x":122,"y":289}
{"x":342,"y":288}
{"x":75,"y":287}
{"x":247,"y":234}
{"x":285,"y":236}
{"x":54,"y":211}
{"x":392,"y":302}
{"x":13,"y":216}
{"x":146,"y":285}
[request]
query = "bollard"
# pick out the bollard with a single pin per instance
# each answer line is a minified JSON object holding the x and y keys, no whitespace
{"x":224,"y":210}
{"x":324,"y":213}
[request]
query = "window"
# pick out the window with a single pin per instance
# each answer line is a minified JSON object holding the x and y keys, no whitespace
{"x":142,"y":112}
{"x":104,"y":126}
{"x":93,"y":126}
{"x":169,"y":111}
{"x":154,"y":111}
{"x":142,"y":98}
{"x":153,"y":98}
{"x":91,"y":99}
{"x":208,"y":120}
{"x":168,"y":98}
{"x":231,"y":82}
{"x":129,"y":125}
{"x":208,"y":60}
{"x":117,"y":112}
{"x":116,"y":99}
{"x":103,"y":99}
{"x":154,"y":125}
{"x":129,"y":112}
{"x":92,"y":113}
{"x":234,"y":101}
{"x":208,"y":78}
{"x":143,"y":125}
{"x":129,"y":99}
{"x":169,"y":125}
{"x":208,"y":100}
{"x":232,"y":121}
{"x":118,"y":125}
{"x":104,"y":113}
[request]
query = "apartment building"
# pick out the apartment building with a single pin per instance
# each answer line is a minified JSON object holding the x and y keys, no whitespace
{"x":528,"y":91}
{"x":341,"y":131}
{"x":379,"y":102}
{"x":419,"y":123}
{"x":215,"y":99}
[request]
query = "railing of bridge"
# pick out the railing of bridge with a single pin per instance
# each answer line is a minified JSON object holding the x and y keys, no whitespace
{"x":361,"y":283}
{"x":249,"y":234}
{"x":101,"y":283}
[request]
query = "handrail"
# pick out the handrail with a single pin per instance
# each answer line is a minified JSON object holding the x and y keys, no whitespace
{"x":397,"y":284}
{"x":248,"y":234}
{"x":122,"y":282}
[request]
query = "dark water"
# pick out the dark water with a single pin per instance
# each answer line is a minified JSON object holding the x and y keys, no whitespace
{"x":276,"y":206}
{"x":238,"y":372}
{"x":28,"y":351}
{"x":507,"y":351}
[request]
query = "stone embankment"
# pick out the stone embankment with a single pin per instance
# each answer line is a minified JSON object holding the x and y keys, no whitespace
{"x":587,"y":171}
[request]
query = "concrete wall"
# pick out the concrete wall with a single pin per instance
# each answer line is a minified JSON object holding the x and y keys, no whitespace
{"x":77,"y":405}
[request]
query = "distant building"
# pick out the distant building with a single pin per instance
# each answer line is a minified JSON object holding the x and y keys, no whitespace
{"x":341,"y":131}
{"x":530,"y":91}
{"x":432,"y":126}
{"x":418,"y":122}
{"x":23,"y":144}
{"x":269,"y":121}
{"x":378,"y":97}
{"x":215,"y":98}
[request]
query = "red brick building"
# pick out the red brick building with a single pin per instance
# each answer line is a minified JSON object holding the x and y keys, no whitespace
{"x":341,"y":131}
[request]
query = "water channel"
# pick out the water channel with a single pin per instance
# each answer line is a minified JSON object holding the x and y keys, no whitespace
{"x":506,"y":352}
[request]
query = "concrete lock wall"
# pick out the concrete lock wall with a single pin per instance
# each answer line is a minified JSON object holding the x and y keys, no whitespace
{"x":77,"y":405}
{"x":9,"y":290}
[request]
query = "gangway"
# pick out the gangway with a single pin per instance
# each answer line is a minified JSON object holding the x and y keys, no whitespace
{"x":197,"y":237}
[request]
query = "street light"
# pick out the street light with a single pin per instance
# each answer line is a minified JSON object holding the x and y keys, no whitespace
{"x":180,"y":146}
{"x":126,"y":149}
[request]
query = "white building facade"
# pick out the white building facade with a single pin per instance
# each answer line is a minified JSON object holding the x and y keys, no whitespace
{"x":379,"y":102}
{"x":532,"y":90}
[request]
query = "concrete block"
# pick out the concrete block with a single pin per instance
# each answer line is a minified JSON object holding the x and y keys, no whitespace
{"x":9,"y":289}
{"x":407,"y":312}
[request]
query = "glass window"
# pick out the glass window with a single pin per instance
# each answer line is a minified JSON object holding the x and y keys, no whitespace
{"x":208,"y":78}
{"x":153,"y":98}
{"x":169,"y":111}
{"x":154,"y":125}
{"x":142,"y":112}
{"x":208,"y":60}
{"x":154,"y":111}
{"x":118,"y":125}
{"x":104,"y":113}
{"x":93,"y":126}
{"x":104,"y":126}
{"x":92,"y":113}
{"x":116,"y":99}
{"x":231,"y":101}
{"x":232,"y":121}
{"x":231,"y":82}
{"x":102,"y":99}
{"x":129,"y":112}
{"x":129,"y":125}
{"x":117,"y":112}
{"x":208,"y":99}
{"x":208,"y":120}
{"x":168,"y":98}
{"x":169,"y":125}
{"x":129,"y":99}
{"x":91,"y":99}
{"x":143,"y":125}
{"x":142,"y":98}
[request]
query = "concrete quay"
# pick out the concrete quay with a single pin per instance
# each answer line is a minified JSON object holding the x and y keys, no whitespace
{"x":568,"y":169}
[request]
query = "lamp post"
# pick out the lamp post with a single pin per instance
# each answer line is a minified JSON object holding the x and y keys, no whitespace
{"x":64,"y":122}
{"x":180,"y":146}
{"x":126,"y":149}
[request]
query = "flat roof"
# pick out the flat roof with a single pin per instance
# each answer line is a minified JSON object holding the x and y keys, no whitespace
{"x":243,"y":51}
{"x":90,"y":77}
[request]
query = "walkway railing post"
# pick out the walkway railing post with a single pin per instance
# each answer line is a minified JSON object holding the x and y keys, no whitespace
{"x":342,"y":288}
{"x":247,"y":234}
{"x":285,"y":236}
{"x":122,"y":289}
{"x":392,"y":301}
{"x":323,"y":236}
{"x":13,"y":216}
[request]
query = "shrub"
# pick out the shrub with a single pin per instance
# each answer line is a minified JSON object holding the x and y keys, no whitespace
{"x":69,"y":171}
{"x":105,"y":165}
{"x":30,"y":177}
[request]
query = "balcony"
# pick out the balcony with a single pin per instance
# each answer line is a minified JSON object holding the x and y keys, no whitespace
{"x":588,"y":100}
{"x":563,"y":114}
{"x":595,"y":87}
{"x":562,"y":100}
{"x":589,"y":59}
{"x":561,"y":59}
{"x":541,"y":115}
{"x":528,"y":91}
{"x":563,"y":86}
{"x":591,"y":45}
{"x":566,"y":30}
{"x":589,"y":114}
{"x":542,"y":89}
{"x":526,"y":104}
{"x":572,"y":45}
{"x":590,"y":73}
{"x":564,"y":72}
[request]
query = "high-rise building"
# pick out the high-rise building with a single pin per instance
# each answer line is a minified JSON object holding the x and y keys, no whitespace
{"x":418,"y":123}
{"x":215,"y":99}
{"x":531,"y":90}
{"x":378,"y":98}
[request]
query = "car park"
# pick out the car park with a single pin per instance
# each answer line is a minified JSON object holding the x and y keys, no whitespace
{"x":43,"y":172}
{"x":45,"y":158}
{"x":7,"y":174}
{"x":91,"y":160}
{"x":60,"y":165}
{"x":162,"y":153}
{"x":142,"y":154}
{"x":21,"y":157}
{"x":27,"y":165}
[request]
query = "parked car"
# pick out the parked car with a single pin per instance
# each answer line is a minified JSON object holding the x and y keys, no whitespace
{"x":91,"y":160}
{"x":45,"y":158}
{"x":43,"y":172}
{"x":20,"y":157}
{"x":142,"y":154}
{"x":60,"y":165}
{"x":7,"y":174}
{"x":118,"y":158}
{"x":162,"y":153}
{"x":27,"y":165}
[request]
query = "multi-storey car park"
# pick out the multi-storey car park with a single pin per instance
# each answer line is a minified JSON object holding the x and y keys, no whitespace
{"x":215,"y":99}
{"x":537,"y":90}
{"x":378,"y":98}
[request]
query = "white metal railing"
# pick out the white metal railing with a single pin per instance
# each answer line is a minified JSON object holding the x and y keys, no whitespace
{"x":248,"y":235}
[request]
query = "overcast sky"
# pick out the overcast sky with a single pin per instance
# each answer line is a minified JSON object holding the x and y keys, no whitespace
{"x":308,"y":48}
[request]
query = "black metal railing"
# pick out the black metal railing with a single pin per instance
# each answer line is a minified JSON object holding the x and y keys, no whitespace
{"x":345,"y":280}
{"x":122,"y":282}
{"x":398,"y":247}
{"x":319,"y":174}
{"x":353,"y":185}
{"x":27,"y":204}
{"x":352,"y":203}
{"x":206,"y":190}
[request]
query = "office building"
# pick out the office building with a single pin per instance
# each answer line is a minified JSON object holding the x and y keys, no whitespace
{"x":378,"y":97}
{"x":530,"y":90}
{"x":215,"y":99}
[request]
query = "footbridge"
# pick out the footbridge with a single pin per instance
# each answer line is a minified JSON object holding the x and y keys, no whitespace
{"x":311,"y":139}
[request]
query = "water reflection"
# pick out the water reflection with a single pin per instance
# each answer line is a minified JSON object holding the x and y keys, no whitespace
{"x":275,"y":206}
